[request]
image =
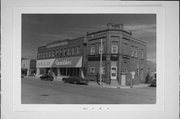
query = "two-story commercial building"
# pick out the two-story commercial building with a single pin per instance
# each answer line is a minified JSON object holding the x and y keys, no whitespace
{"x":123,"y":57}
{"x":28,"y":67}
{"x":63,"y":58}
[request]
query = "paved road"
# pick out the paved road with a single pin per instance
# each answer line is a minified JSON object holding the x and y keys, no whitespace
{"x":45,"y":92}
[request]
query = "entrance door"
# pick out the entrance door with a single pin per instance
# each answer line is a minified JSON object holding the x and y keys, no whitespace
{"x":113,"y":72}
{"x":123,"y":79}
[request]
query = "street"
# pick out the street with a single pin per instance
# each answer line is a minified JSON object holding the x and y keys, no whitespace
{"x":35,"y":91}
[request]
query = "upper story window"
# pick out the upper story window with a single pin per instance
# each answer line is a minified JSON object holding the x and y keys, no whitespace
{"x":78,"y":50}
{"x":135,"y":53}
{"x":69,"y":51}
{"x":92,"y":70}
{"x":92,"y":51}
{"x":114,"y":49}
{"x":73,"y":51}
{"x":101,"y":50}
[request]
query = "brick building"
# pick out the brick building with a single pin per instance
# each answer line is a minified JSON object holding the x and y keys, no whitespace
{"x":28,"y":67}
{"x":123,"y":56}
{"x":63,"y":58}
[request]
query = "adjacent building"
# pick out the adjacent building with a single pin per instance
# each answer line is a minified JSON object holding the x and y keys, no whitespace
{"x":123,"y":56}
{"x":63,"y":58}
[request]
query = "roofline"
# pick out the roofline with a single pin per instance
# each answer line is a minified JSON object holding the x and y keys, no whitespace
{"x":50,"y":43}
{"x":109,"y":30}
{"x":143,"y":42}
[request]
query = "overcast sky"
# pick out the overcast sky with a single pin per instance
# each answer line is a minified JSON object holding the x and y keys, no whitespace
{"x":38,"y":29}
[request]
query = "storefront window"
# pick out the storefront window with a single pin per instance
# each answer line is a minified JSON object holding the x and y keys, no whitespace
{"x":78,"y":50}
{"x":114,"y":49}
{"x":73,"y":51}
{"x":92,"y":50}
{"x":142,"y":54}
{"x":69,"y":51}
{"x":92,"y":70}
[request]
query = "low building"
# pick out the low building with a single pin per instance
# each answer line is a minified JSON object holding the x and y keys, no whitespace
{"x":28,"y":67}
{"x":63,"y":58}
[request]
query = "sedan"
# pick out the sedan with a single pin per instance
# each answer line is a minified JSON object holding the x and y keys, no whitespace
{"x":75,"y":80}
{"x":47,"y":77}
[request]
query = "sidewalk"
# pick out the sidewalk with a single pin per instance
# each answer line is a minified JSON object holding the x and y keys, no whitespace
{"x":92,"y":83}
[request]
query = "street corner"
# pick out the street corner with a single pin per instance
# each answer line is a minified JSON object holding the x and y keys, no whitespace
{"x":141,"y":86}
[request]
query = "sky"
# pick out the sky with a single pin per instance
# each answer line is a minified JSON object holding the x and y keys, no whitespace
{"x":40,"y":29}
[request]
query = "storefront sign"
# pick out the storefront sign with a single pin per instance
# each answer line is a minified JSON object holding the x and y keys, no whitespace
{"x":68,"y":62}
{"x":63,"y":62}
{"x":45,"y":63}
{"x":57,"y":44}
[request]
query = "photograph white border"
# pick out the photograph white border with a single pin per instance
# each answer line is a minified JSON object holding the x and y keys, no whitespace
{"x":12,"y":60}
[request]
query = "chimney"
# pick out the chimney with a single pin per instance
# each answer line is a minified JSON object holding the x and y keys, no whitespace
{"x":115,"y":26}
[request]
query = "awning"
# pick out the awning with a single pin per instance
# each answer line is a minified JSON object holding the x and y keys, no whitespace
{"x":60,"y":62}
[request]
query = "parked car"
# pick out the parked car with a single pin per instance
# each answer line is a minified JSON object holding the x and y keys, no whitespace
{"x":75,"y":80}
{"x":47,"y":77}
{"x":153,"y":83}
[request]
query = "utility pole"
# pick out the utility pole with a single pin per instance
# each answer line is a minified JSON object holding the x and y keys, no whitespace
{"x":100,"y":68}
